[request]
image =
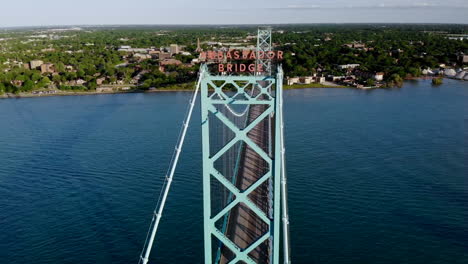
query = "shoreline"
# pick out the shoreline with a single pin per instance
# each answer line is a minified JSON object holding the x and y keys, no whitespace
{"x":422,"y":78}
{"x":313,"y":85}
{"x":31,"y":95}
{"x":165,"y":90}
{"x":160,"y":90}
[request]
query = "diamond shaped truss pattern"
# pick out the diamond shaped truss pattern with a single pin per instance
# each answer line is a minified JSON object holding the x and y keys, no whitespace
{"x":245,"y":225}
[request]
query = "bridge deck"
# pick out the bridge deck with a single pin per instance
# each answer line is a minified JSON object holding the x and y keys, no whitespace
{"x":244,"y":226}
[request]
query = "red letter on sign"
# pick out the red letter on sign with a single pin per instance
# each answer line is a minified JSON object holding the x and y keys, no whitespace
{"x":220,"y":67}
{"x":211,"y":55}
{"x":280,"y":55}
{"x":270,"y":55}
{"x":242,"y":67}
{"x":261,"y":54}
{"x":259,"y":68}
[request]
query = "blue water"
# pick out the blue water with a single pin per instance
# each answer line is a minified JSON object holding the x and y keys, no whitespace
{"x":375,"y":176}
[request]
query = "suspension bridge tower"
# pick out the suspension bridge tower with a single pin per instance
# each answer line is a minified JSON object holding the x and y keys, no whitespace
{"x":244,"y":181}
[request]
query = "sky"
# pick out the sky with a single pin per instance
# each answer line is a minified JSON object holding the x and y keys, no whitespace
{"x":98,"y":12}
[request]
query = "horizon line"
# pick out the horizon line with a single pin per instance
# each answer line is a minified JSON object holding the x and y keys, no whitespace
{"x":229,"y":24}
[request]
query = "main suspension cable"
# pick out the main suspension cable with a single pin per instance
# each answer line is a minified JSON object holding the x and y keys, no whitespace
{"x":169,"y":176}
{"x":284,"y":189}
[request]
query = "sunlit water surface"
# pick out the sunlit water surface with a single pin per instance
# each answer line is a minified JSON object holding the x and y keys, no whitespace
{"x":374,"y":176}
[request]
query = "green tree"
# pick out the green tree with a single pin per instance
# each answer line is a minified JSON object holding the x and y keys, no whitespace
{"x":56,"y":79}
{"x":60,"y":67}
{"x":395,"y":80}
{"x":28,"y":86}
{"x":44,"y":82}
{"x":92,"y":85}
{"x":414,"y":72}
{"x":35,"y":77}
{"x":80,"y":73}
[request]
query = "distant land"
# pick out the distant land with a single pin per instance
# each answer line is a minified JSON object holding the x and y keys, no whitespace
{"x":49,"y":60}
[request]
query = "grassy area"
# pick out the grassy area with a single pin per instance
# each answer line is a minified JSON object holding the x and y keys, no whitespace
{"x":312,"y":85}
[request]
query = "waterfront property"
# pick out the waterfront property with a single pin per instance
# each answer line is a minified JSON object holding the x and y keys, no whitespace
{"x":305,"y":80}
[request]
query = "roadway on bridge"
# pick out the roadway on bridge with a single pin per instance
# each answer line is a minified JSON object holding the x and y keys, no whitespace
{"x":244,"y":226}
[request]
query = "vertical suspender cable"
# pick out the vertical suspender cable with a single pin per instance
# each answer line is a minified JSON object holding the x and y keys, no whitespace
{"x":285,"y":218}
{"x":180,"y":143}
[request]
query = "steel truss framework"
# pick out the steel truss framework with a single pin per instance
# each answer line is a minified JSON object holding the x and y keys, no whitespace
{"x":214,"y":95}
{"x":261,"y":96}
{"x":264,"y":46}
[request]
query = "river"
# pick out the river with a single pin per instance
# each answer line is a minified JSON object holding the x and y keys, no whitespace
{"x":375,"y":176}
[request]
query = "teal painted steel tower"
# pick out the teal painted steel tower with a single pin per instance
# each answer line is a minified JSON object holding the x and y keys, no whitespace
{"x":244,"y":182}
{"x":244,"y":176}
